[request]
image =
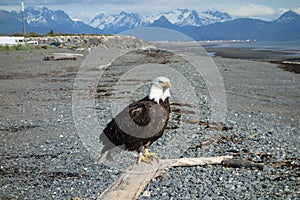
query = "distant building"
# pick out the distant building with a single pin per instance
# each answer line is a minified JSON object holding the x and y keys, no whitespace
{"x":33,"y":42}
{"x":9,"y":40}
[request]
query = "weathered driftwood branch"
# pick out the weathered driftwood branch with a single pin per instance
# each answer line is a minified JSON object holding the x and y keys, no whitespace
{"x":242,"y":163}
{"x":135,"y":178}
{"x":63,"y":56}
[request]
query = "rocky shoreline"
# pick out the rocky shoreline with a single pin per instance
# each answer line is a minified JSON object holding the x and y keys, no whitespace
{"x":91,"y":41}
{"x":43,"y":157}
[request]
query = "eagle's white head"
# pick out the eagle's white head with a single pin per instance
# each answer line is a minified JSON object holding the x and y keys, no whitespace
{"x":160,"y":89}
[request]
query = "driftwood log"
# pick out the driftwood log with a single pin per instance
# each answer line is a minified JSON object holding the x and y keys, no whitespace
{"x":63,"y":56}
{"x":133,"y":181}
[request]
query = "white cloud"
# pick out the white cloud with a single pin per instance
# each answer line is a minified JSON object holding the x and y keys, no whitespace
{"x":297,"y":10}
{"x":252,"y":10}
{"x":282,"y":10}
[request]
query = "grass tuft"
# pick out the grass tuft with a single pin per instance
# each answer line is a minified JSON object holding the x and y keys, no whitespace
{"x":19,"y":47}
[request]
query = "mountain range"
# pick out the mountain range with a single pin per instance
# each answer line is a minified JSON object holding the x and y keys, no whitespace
{"x":179,"y":17}
{"x":208,"y":25}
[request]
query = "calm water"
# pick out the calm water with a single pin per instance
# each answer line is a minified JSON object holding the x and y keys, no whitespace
{"x":282,"y":46}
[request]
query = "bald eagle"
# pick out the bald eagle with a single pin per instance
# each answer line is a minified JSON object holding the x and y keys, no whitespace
{"x":139,"y":124}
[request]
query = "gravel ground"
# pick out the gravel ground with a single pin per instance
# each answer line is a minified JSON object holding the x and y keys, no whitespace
{"x":42,"y":156}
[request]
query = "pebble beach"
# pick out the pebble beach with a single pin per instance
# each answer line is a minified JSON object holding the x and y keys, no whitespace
{"x":43,"y":157}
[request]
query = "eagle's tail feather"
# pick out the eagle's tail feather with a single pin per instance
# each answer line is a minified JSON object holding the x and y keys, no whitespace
{"x":108,"y":154}
{"x":103,"y":157}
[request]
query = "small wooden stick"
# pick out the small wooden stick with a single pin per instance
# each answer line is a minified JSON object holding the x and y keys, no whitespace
{"x":242,"y":163}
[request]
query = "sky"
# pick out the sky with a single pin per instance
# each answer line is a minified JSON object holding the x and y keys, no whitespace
{"x":85,"y":10}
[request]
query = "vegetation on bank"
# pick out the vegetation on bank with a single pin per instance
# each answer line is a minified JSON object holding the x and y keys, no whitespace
{"x":19,"y":47}
{"x":35,"y":47}
{"x":26,"y":47}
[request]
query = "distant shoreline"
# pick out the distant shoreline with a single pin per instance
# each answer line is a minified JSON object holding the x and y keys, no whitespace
{"x":285,"y":56}
{"x":285,"y":60}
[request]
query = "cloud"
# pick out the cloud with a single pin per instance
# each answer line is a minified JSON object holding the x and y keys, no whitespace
{"x":252,"y":10}
{"x":297,"y":10}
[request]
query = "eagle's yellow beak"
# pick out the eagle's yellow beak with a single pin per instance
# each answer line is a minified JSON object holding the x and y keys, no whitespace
{"x":166,"y":85}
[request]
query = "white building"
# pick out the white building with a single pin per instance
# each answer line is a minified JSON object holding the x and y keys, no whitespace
{"x":10,"y":40}
{"x":33,"y":42}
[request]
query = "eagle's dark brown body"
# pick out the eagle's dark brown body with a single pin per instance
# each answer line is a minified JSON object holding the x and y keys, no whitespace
{"x":138,"y":125}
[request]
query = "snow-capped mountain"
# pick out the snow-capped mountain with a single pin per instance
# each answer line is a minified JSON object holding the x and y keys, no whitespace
{"x":179,"y":17}
{"x":288,"y":17}
{"x":123,"y":20}
{"x":42,"y":16}
{"x":186,"y":17}
{"x":42,"y":19}
{"x":197,"y":25}
{"x":213,"y":16}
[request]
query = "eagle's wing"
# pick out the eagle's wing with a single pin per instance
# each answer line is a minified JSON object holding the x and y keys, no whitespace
{"x":119,"y":129}
{"x":139,"y":113}
{"x":133,"y":126}
{"x":149,"y":118}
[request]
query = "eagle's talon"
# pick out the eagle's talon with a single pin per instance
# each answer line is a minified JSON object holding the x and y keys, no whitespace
{"x":150,"y":155}
{"x":143,"y":159}
{"x":147,"y":157}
